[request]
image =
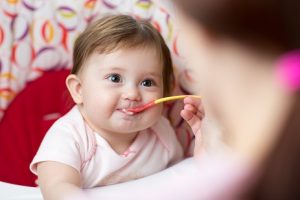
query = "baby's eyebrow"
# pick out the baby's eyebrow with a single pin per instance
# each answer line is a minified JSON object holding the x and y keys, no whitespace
{"x":159,"y":75}
{"x":114,"y":68}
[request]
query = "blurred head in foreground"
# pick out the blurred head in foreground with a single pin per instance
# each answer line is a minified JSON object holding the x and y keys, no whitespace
{"x":245,"y":57}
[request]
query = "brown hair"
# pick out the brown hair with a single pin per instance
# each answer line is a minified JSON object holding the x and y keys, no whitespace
{"x":264,"y":22}
{"x":113,"y":32}
{"x":269,"y":24}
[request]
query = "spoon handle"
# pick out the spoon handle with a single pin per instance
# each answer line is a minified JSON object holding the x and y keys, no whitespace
{"x":164,"y":99}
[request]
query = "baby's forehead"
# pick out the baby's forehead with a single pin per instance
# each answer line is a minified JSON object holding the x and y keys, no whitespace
{"x":125,"y":45}
{"x":139,"y":58}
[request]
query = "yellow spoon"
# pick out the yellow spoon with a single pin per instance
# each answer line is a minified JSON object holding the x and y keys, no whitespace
{"x":157,"y":101}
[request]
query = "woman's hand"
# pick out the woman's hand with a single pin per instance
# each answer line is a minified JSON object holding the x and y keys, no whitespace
{"x":193,"y":113}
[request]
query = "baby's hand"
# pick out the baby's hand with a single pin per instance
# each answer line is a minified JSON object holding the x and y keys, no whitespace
{"x":193,"y":114}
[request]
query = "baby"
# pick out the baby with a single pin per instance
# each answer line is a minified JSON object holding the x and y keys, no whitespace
{"x":119,"y":63}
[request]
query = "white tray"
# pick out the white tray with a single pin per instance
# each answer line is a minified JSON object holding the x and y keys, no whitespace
{"x":18,"y":192}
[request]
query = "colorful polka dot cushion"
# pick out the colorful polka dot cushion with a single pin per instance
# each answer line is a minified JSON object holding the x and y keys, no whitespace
{"x":36,"y":41}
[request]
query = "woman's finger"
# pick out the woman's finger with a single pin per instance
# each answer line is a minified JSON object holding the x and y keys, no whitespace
{"x":194,"y":101}
{"x":190,"y":108}
{"x":192,"y":119}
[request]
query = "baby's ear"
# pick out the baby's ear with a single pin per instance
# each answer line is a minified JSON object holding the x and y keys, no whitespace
{"x":74,"y":86}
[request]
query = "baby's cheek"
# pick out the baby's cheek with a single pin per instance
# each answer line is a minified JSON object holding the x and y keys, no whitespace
{"x":102,"y":104}
{"x":156,"y":112}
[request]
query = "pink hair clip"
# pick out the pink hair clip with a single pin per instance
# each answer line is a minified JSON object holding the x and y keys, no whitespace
{"x":288,"y":70}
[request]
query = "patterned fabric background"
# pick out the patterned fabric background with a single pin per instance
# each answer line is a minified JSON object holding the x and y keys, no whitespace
{"x":38,"y":35}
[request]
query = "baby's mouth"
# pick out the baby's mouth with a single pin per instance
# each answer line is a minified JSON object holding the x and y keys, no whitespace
{"x":130,"y":109}
{"x":126,"y":111}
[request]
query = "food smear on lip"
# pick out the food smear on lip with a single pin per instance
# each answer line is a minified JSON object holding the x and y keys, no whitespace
{"x":127,"y":112}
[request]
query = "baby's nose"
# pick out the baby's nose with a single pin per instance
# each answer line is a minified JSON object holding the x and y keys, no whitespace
{"x":132,"y":94}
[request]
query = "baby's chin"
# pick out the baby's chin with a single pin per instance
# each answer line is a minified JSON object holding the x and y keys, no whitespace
{"x":129,"y":130}
{"x":128,"y":127}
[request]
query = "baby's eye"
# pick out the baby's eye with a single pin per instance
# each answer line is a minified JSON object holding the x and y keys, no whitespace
{"x":148,"y":83}
{"x":116,"y":78}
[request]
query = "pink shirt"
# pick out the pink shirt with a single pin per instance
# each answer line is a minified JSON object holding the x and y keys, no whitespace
{"x":72,"y":142}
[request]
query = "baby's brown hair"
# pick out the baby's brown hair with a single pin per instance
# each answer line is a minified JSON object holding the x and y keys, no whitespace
{"x":114,"y":32}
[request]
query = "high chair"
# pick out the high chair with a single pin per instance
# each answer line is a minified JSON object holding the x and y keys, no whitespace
{"x":23,"y":126}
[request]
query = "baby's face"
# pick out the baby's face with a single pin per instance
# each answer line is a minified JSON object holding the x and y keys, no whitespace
{"x":119,"y":80}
